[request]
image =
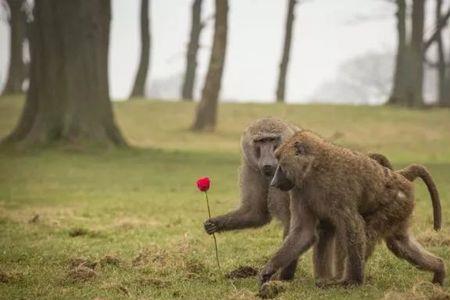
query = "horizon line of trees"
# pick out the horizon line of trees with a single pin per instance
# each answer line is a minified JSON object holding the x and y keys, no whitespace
{"x":68,"y":99}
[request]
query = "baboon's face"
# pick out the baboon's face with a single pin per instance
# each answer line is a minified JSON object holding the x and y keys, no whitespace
{"x":295,"y":160}
{"x":264,"y":152}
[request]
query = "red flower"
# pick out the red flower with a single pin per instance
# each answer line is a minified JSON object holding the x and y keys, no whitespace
{"x":203,"y":184}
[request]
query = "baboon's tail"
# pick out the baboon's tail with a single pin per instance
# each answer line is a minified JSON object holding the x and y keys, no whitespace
{"x":411,"y":173}
{"x":381,"y":159}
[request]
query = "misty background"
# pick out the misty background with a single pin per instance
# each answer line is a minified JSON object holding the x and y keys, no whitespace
{"x":342,"y":51}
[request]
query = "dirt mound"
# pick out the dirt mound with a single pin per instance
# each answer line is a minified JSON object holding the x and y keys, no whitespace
{"x":434,"y":239}
{"x":75,"y":262}
{"x":7,"y":277}
{"x":110,"y":260}
{"x":81,"y":273}
{"x":154,"y":282}
{"x":271,"y":289}
{"x":151,"y":255}
{"x":242,"y":272}
{"x":420,"y":291}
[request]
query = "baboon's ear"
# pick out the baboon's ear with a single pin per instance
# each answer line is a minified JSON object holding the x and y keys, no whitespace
{"x":300,"y":148}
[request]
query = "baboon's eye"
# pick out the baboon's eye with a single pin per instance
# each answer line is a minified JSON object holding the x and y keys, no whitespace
{"x":300,"y":148}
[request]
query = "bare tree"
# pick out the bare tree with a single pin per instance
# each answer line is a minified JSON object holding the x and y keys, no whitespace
{"x":408,"y":77}
{"x":191,"y":55}
{"x":206,"y":114}
{"x":445,"y":101}
{"x":441,"y":68}
{"x":141,"y":75}
{"x":414,"y":86}
{"x":398,"y":87}
{"x":281,"y":84}
{"x":17,"y":70}
{"x":68,"y":99}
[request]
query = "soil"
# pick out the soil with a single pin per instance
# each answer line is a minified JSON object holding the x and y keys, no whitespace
{"x":242,"y":272}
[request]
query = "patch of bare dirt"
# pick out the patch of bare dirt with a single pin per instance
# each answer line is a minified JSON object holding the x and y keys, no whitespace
{"x":151,"y":255}
{"x":75,"y":262}
{"x":242,"y":272}
{"x":434,"y":239}
{"x":154,"y":282}
{"x":74,"y":232}
{"x":81,"y":273}
{"x":34,"y":219}
{"x":110,"y":260}
{"x":9,"y":277}
{"x":271,"y":289}
{"x":241,"y":294}
{"x":420,"y":291}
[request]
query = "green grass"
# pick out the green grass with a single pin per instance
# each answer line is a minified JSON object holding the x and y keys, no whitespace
{"x":124,"y":203}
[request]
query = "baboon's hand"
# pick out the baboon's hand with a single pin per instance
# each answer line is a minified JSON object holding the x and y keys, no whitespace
{"x":266,"y":273}
{"x":210,"y":226}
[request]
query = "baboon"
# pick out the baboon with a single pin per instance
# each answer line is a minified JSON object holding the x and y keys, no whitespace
{"x":334,"y":257}
{"x":260,"y":202}
{"x":362,"y":200}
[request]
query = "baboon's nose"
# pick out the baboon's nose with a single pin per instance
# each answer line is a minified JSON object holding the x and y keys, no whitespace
{"x":268,"y":170}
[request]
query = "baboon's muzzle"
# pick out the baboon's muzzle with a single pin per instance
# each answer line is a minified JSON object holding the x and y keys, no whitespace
{"x":280,"y":180}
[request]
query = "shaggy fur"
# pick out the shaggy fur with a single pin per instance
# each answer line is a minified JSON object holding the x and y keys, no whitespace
{"x":260,"y":202}
{"x":362,"y":200}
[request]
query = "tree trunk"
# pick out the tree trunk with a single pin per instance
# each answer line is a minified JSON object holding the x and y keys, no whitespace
{"x":441,"y":56}
{"x":414,"y":87}
{"x":206,"y":114}
{"x":398,"y":87}
{"x":281,"y":85}
{"x":191,"y":56}
{"x":68,"y":99}
{"x":17,"y":69}
{"x":141,"y":75}
{"x":446,"y":97}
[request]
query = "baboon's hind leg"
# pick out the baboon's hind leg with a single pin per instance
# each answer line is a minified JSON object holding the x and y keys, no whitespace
{"x":324,"y":250}
{"x":406,"y":247}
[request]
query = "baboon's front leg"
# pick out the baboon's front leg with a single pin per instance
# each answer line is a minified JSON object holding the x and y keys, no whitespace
{"x":253,"y":211}
{"x":300,"y":238}
{"x":288,"y":272}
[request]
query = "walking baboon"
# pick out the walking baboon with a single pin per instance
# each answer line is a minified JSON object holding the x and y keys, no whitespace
{"x":363,"y":201}
{"x":336,"y":257}
{"x":260,"y":202}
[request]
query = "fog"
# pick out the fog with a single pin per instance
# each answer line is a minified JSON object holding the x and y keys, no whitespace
{"x":327,"y":34}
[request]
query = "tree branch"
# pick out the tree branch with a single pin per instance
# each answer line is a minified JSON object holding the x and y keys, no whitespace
{"x":442,"y":23}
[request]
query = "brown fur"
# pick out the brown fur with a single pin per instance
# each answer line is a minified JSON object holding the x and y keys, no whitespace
{"x":363,"y":201}
{"x":259,"y":202}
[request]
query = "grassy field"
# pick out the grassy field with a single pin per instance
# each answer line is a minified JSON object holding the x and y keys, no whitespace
{"x":133,"y":218}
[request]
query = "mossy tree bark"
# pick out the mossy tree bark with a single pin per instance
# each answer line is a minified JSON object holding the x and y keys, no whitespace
{"x":281,"y":84}
{"x":141,"y":75}
{"x":206,"y":114}
{"x":68,"y":99}
{"x":191,"y":55}
{"x":414,"y":86}
{"x":17,"y":70}
{"x":441,"y":67}
{"x":407,"y":89}
{"x":398,"y":87}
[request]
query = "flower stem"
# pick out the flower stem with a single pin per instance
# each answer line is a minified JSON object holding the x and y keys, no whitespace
{"x":214,"y":236}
